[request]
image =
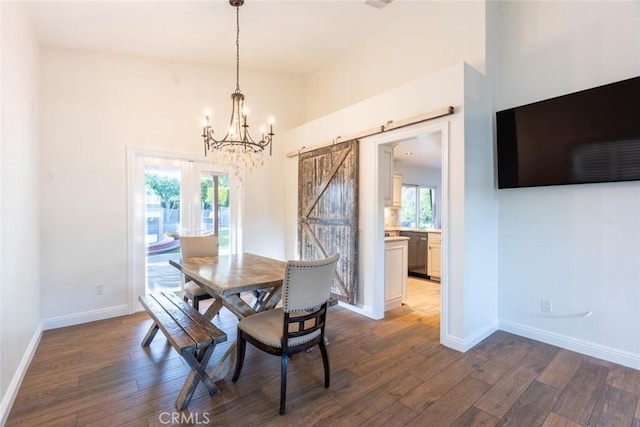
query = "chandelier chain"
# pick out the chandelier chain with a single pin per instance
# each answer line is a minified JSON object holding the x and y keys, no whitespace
{"x":237,"y":49}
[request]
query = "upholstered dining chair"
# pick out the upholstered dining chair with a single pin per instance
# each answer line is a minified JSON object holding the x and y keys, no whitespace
{"x":195,"y":247}
{"x":298,"y":325}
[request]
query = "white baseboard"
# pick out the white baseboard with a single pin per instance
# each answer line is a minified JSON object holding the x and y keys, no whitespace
{"x":84,"y":317}
{"x":391,"y":303}
{"x":12,"y":391}
{"x":467,"y":343}
{"x":453,"y":342}
{"x":621,"y":357}
{"x":365,"y":310}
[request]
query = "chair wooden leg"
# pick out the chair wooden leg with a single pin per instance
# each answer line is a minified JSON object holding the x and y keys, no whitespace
{"x":283,"y":381}
{"x":242,"y":345}
{"x":185,"y":298}
{"x":196,"y":303}
{"x":325,"y":362}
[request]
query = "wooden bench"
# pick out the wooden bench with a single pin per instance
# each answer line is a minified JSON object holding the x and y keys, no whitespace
{"x":191,"y":335}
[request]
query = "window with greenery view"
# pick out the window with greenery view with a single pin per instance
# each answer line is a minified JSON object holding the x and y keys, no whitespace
{"x":417,"y":209}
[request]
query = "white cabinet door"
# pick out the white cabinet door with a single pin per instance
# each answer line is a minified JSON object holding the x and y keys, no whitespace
{"x":395,"y":292}
{"x":397,"y":190}
{"x":386,"y":174}
{"x":435,"y":256}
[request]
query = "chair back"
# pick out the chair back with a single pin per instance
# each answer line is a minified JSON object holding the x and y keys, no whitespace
{"x":307,"y":284}
{"x":199,"y":246}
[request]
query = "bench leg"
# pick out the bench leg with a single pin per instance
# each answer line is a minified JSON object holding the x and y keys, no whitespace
{"x":198,"y":373}
{"x":150,"y":335}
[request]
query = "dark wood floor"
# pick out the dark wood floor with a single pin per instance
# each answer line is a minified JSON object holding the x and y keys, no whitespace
{"x":390,"y":372}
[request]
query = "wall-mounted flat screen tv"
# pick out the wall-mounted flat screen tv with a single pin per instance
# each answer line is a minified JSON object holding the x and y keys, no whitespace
{"x":584,"y":137}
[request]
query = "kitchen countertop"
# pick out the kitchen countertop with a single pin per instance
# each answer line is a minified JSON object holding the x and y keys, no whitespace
{"x":395,"y":238}
{"x":418,"y":230}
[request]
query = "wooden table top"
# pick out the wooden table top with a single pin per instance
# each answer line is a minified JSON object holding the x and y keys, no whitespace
{"x":232,"y":274}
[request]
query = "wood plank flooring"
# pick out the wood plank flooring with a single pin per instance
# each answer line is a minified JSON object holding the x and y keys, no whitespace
{"x":390,"y":372}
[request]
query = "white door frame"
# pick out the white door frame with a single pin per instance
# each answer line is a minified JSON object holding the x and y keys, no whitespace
{"x":375,"y":222}
{"x":137,"y":158}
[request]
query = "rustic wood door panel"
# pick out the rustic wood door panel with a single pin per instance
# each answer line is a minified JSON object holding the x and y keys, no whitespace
{"x":328,"y":211}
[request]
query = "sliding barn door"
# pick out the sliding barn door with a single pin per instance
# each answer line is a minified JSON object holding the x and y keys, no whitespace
{"x":328,"y":211}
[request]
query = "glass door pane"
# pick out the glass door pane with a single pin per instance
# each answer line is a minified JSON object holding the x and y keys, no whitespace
{"x":214,"y":207}
{"x":163,"y":202}
{"x":223,"y":213}
{"x":208,"y":203}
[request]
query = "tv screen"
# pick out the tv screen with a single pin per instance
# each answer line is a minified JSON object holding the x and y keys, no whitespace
{"x":584,"y":137}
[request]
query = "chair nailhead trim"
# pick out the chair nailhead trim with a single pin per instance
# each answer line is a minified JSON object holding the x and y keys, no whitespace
{"x":291,"y":267}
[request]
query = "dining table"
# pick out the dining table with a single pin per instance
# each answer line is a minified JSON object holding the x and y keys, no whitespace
{"x":225,"y":278}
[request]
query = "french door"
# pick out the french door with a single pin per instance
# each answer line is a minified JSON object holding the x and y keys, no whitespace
{"x":173,"y":197}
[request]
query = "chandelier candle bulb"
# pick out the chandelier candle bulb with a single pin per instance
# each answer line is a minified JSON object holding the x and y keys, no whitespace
{"x":204,"y":128}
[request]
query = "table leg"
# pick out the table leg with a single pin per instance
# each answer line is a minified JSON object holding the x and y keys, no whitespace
{"x":213,"y":309}
{"x":271,"y":300}
{"x":226,"y":363}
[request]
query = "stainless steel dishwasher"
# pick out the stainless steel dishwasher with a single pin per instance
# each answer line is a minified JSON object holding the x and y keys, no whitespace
{"x":417,"y":256}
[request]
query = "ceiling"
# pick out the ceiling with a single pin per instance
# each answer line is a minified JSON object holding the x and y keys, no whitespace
{"x":421,"y":151}
{"x":296,"y":36}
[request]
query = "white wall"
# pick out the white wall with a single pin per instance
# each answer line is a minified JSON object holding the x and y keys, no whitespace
{"x":94,"y":106}
{"x":445,"y":87}
{"x":576,"y":245}
{"x":480,"y":211}
{"x":19,"y":200}
{"x":434,"y":35}
{"x":419,"y":175}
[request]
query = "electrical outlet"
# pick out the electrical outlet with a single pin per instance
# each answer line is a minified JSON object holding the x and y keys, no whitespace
{"x":99,"y":289}
{"x":546,"y":306}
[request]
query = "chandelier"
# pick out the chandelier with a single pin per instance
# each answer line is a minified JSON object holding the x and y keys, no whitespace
{"x":237,"y":149}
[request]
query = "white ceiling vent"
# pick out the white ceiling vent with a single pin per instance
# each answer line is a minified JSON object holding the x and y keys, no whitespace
{"x":378,"y":3}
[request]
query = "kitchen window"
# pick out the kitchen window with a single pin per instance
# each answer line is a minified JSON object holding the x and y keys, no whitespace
{"x":418,"y":206}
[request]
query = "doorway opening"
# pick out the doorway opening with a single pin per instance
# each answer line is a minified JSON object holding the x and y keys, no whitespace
{"x":375,"y":219}
{"x":172,"y":197}
{"x":418,"y":163}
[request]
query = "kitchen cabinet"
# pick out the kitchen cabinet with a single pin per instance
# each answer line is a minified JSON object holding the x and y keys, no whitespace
{"x":395,"y":272}
{"x":390,"y":181}
{"x":386,"y":174}
{"x":434,"y":256}
{"x":397,"y":190}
